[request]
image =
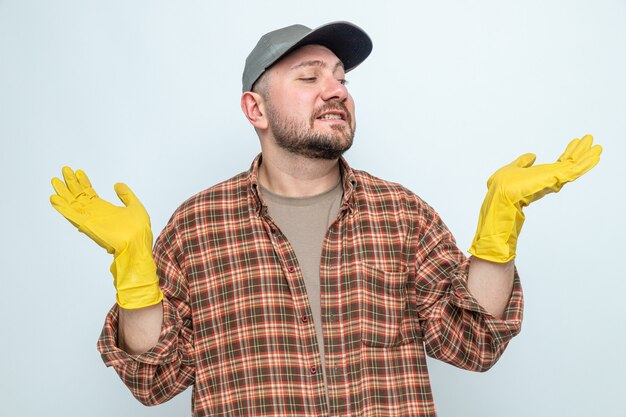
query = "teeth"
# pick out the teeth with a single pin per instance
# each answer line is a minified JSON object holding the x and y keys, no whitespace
{"x":331,"y":117}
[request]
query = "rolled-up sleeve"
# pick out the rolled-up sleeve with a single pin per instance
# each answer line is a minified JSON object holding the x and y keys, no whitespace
{"x":456,"y":328}
{"x":168,"y":368}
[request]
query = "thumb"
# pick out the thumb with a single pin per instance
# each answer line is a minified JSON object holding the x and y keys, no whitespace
{"x":125,"y":194}
{"x":525,"y":160}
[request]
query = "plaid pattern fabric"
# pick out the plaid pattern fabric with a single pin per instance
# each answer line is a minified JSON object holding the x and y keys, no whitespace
{"x":238,"y":327}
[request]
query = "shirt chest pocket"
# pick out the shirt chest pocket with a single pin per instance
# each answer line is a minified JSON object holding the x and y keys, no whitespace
{"x":383,"y":307}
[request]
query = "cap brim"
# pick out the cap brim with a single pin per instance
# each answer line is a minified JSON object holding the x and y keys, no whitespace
{"x":349,"y":42}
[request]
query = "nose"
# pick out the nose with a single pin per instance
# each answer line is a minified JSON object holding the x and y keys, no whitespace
{"x":334,"y":90}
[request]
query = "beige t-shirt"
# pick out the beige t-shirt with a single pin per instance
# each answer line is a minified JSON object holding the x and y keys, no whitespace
{"x":305,"y":221}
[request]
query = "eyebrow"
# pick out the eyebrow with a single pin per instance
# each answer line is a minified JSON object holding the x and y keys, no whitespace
{"x":316,"y":63}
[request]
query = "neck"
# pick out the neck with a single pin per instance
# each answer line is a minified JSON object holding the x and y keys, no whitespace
{"x":290,"y":175}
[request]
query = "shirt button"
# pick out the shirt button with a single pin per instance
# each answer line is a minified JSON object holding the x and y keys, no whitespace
{"x":304,"y":319}
{"x":313,"y":370}
{"x":273,"y":230}
{"x":291,"y":269}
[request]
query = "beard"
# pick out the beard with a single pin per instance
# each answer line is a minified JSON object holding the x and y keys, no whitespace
{"x":300,"y":138}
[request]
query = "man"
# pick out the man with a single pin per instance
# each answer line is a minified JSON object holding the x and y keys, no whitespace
{"x":302,"y":286}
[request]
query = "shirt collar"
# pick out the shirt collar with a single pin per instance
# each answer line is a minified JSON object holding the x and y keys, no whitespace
{"x":348,"y":180}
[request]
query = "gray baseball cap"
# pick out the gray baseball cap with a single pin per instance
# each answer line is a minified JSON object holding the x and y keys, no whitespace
{"x":349,"y":42}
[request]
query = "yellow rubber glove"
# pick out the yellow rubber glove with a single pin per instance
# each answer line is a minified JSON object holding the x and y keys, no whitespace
{"x":123,"y":231}
{"x":518,"y":184}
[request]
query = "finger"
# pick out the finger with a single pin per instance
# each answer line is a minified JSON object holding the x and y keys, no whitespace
{"x":70,"y":179}
{"x":125,"y":194}
{"x":585,"y":164}
{"x":83,"y":179}
{"x":569,"y":150}
{"x":595,"y":151}
{"x":88,"y":190}
{"x":61,"y":189}
{"x":588,"y":137}
{"x":66,"y":210}
{"x":583,"y":147}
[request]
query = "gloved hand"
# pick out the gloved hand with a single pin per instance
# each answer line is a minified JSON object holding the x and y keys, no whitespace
{"x":518,"y":184}
{"x":123,"y":231}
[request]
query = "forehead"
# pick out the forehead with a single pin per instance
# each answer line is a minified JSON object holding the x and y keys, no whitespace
{"x":308,"y":55}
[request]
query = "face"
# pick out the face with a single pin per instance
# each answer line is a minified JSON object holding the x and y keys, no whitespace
{"x":308,"y":107}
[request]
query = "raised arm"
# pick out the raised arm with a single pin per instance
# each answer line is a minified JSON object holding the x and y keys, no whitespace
{"x":124,"y":231}
{"x":510,"y":189}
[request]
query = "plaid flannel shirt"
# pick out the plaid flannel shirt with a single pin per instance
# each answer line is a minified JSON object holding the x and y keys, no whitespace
{"x":237,"y":320}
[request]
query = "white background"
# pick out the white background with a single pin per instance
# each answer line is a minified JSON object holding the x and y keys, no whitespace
{"x":147,"y":92}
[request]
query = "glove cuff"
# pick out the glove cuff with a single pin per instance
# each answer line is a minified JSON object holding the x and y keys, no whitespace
{"x":499,"y":225}
{"x":135,"y":279}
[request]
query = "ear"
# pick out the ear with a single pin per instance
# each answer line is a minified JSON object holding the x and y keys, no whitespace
{"x":253,"y":106}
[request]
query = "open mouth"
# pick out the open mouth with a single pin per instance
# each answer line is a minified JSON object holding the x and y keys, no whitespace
{"x":332,"y":115}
